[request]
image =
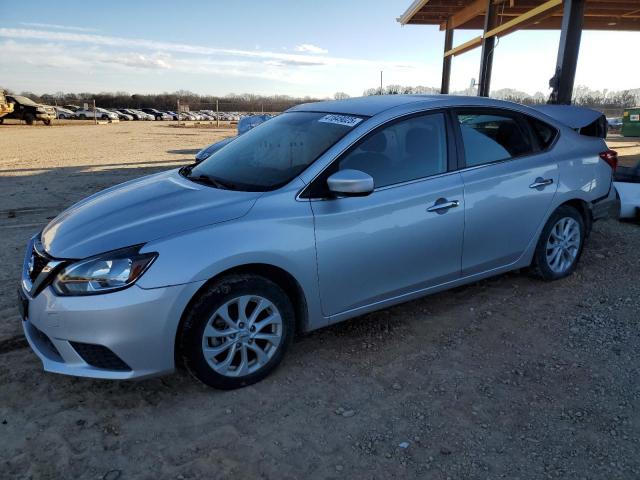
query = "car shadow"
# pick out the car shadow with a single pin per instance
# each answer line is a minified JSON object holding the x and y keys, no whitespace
{"x":184,"y":151}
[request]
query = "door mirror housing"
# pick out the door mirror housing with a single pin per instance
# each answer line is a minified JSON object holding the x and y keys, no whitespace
{"x":350,"y":183}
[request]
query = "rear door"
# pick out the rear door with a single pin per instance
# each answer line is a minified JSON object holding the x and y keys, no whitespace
{"x":510,"y":179}
{"x":402,"y":237}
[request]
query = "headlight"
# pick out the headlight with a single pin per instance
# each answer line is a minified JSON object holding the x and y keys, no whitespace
{"x":103,"y":273}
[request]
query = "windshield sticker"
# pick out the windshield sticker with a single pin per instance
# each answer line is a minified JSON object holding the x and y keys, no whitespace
{"x":346,"y":120}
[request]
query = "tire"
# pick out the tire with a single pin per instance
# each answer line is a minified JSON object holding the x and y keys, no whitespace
{"x":47,"y":121}
{"x":29,"y":119}
{"x":553,"y":263}
{"x":230,"y":354}
{"x":82,"y":116}
{"x":1,"y":120}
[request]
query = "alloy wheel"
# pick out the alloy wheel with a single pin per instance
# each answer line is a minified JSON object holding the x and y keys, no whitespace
{"x":242,"y":336}
{"x":563,"y":245}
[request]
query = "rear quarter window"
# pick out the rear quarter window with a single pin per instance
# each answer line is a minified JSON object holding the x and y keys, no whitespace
{"x":544,"y":133}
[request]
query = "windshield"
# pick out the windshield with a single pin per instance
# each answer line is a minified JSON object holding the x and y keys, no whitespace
{"x":273,"y":153}
{"x":24,"y":100}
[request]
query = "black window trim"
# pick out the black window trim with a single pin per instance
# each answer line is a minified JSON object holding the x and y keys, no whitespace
{"x":522,"y":119}
{"x":453,"y":159}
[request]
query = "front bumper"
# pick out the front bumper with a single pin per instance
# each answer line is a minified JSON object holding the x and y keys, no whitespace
{"x":45,"y":116}
{"x":137,"y":325}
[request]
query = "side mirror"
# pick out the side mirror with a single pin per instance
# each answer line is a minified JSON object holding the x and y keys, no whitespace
{"x":350,"y":183}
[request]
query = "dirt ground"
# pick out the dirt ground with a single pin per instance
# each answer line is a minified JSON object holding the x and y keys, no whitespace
{"x":506,"y":378}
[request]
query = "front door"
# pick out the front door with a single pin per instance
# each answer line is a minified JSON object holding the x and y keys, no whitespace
{"x":403,"y":237}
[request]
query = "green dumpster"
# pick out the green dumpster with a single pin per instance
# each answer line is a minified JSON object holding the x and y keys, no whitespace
{"x":631,"y":122}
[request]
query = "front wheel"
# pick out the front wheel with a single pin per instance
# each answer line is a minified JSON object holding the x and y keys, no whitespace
{"x":47,"y":121}
{"x":560,"y":244}
{"x":237,"y":331}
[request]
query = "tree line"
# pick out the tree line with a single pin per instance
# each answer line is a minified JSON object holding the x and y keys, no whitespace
{"x":245,"y":102}
{"x":610,"y":102}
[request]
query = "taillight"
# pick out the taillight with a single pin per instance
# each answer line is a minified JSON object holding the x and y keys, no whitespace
{"x":611,"y":157}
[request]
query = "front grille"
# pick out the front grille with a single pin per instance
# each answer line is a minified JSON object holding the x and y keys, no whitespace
{"x":100,"y":356}
{"x":39,"y":262}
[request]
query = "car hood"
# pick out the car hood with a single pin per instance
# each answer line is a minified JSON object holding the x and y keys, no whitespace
{"x":140,"y":211}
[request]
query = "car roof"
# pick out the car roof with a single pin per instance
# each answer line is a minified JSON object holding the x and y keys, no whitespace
{"x":375,"y":104}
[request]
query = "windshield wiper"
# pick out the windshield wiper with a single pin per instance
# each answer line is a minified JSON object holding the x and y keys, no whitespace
{"x":208,"y":180}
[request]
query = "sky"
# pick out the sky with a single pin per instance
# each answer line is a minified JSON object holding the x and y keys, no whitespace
{"x":287,"y":47}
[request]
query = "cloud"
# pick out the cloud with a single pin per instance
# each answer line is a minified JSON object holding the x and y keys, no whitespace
{"x":58,"y":27}
{"x":139,"y":60}
{"x":299,"y":59}
{"x":309,"y":48}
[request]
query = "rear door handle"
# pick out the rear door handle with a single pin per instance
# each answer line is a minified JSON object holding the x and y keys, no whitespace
{"x":442,"y":205}
{"x":541,"y":183}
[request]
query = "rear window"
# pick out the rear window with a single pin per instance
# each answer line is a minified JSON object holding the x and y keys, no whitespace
{"x":492,"y":137}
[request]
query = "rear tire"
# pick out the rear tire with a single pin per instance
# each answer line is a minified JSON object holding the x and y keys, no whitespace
{"x":237,"y":331}
{"x":560,"y":245}
{"x":29,"y":119}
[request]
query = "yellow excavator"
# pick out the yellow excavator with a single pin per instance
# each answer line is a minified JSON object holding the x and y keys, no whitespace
{"x":5,"y":107}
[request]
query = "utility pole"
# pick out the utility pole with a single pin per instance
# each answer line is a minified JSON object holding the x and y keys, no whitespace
{"x":217,"y":114}
{"x":178,"y":112}
{"x":380,"y":82}
{"x":95,"y":114}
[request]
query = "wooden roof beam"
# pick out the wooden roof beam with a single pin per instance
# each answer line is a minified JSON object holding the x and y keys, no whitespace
{"x":533,"y":15}
{"x":469,"y":12}
{"x":465,"y":47}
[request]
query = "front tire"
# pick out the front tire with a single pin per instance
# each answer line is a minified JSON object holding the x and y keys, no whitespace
{"x":237,"y":331}
{"x":560,"y":245}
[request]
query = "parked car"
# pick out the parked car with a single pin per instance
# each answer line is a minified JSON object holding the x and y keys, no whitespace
{"x":100,"y":113}
{"x":244,"y":125}
{"x":328,"y":211}
{"x":614,"y":123}
{"x":157,"y":114}
{"x":121,"y":115}
{"x":73,"y":108}
{"x":63,"y":113}
{"x":29,"y":111}
{"x":136,"y":114}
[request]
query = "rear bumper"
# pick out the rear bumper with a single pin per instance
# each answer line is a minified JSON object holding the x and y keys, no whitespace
{"x":607,"y":207}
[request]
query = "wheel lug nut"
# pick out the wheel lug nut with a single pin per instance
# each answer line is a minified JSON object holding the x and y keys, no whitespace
{"x":241,"y":325}
{"x":251,"y":340}
{"x":252,"y":329}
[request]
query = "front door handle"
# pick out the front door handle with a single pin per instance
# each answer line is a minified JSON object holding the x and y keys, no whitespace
{"x":540,"y":183}
{"x":442,"y":205}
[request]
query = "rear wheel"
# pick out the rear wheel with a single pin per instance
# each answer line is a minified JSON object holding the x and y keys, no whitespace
{"x":560,"y":244}
{"x":29,"y":118}
{"x":82,"y":116}
{"x":237,"y":331}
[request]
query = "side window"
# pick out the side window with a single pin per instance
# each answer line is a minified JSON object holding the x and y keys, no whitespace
{"x":492,"y":137}
{"x":544,"y":133}
{"x":404,"y":151}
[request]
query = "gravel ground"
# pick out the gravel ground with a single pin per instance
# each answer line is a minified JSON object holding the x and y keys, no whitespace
{"x":506,"y":378}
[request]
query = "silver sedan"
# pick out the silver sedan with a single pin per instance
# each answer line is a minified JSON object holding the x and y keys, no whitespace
{"x":325,"y":212}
